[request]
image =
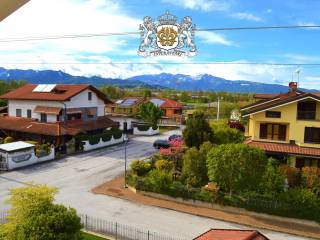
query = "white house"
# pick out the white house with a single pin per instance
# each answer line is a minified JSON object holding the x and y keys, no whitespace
{"x":55,"y":113}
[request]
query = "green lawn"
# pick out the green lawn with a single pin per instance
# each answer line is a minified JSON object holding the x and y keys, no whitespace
{"x":87,"y":236}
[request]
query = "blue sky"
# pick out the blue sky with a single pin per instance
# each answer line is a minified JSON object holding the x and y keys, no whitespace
{"x":47,"y":17}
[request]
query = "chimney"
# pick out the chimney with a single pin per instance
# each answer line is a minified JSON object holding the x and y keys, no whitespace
{"x":293,"y":86}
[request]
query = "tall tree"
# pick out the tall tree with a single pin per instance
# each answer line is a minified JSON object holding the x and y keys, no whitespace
{"x":33,"y":215}
{"x":236,"y":167}
{"x":150,"y":113}
{"x":197,"y":130}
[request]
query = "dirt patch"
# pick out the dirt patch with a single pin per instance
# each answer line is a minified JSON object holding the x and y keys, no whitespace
{"x":115,"y":188}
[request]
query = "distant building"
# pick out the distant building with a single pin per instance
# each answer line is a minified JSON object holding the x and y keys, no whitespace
{"x":129,"y":107}
{"x":286,"y":126}
{"x":55,"y":114}
{"x":228,"y":234}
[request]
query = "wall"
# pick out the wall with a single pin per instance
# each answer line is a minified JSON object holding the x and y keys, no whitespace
{"x":121,"y":120}
{"x":295,"y":128}
{"x":33,"y":159}
{"x":88,"y":147}
{"x":81,"y":100}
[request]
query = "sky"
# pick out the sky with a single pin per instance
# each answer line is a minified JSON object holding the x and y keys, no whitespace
{"x":64,"y":17}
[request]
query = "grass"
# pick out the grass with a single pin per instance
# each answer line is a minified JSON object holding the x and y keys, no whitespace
{"x":87,"y":236}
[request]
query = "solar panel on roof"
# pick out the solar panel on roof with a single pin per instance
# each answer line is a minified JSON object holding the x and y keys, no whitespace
{"x":49,"y":87}
{"x":39,"y":88}
{"x":128,"y":102}
{"x":44,"y":88}
{"x":157,"y":102}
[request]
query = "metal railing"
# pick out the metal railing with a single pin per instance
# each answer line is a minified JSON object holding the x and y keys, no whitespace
{"x":113,"y":229}
{"x":121,"y":231}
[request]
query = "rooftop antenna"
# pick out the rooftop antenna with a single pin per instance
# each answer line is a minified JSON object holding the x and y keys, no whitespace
{"x":298,"y":70}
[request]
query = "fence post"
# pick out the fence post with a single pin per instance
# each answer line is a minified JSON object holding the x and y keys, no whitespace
{"x":86,"y":222}
{"x":148,"y":235}
{"x":116,"y":231}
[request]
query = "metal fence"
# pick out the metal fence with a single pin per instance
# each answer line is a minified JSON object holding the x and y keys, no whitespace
{"x":121,"y":231}
{"x":113,"y":229}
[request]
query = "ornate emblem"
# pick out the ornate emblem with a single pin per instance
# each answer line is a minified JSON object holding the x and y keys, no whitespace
{"x":167,"y":37}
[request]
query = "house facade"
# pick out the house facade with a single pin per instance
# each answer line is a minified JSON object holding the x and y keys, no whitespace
{"x":286,"y":126}
{"x":129,"y":107}
{"x":54,"y":113}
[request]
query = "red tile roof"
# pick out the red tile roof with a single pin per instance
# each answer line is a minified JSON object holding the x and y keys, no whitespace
{"x":284,"y":148}
{"x":168,"y":103}
{"x":227,"y":234}
{"x":54,"y":129}
{"x":62,"y":92}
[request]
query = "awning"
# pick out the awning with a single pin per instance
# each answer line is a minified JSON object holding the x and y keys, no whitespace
{"x":73,"y":110}
{"x":47,"y":110}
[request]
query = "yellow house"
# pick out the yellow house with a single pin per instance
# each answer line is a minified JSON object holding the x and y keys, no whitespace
{"x":286,"y":126}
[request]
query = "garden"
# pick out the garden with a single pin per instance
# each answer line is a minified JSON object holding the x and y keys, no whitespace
{"x":212,"y":164}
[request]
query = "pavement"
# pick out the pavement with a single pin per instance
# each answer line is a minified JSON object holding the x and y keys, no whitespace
{"x":76,"y":175}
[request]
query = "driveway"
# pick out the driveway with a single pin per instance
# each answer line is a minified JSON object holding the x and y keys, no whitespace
{"x":76,"y":175}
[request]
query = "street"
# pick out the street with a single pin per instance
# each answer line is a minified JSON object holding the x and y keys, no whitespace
{"x":76,"y":175}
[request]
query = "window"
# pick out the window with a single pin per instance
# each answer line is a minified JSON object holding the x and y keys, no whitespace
{"x":312,"y":135}
{"x":273,"y":114}
{"x":18,"y":112}
{"x":273,"y":131}
{"x":307,"y":110}
{"x":89,"y":96}
{"x":29,"y":114}
{"x":43,"y":117}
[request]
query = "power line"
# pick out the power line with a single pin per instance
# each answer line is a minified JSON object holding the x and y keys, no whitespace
{"x":163,"y":63}
{"x":89,"y":35}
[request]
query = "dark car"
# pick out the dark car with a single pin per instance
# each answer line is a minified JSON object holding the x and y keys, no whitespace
{"x":175,"y":137}
{"x":161,"y":144}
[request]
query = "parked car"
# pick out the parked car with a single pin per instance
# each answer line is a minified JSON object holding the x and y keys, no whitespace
{"x":175,"y":137}
{"x":161,"y":144}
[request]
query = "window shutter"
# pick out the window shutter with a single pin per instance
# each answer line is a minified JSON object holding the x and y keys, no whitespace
{"x":263,"y":131}
{"x":308,"y":134}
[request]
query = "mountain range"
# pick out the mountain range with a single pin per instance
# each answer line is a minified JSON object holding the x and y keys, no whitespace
{"x":204,"y":82}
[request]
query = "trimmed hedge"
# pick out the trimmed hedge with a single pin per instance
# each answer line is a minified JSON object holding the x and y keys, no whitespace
{"x":105,"y":136}
{"x":143,"y":128}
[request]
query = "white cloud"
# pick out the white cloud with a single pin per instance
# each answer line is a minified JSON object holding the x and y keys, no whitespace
{"x":301,"y":23}
{"x":300,"y":58}
{"x":213,"y":38}
{"x":203,"y":5}
{"x":246,"y":16}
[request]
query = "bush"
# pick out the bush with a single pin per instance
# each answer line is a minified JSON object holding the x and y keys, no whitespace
{"x":8,"y":140}
{"x":223,"y":134}
{"x":311,"y":178}
{"x":106,"y":136}
{"x":117,"y":133}
{"x":164,"y":165}
{"x":140,"y":167}
{"x":236,"y":167}
{"x":154,"y":127}
{"x":160,"y":180}
{"x":143,"y":128}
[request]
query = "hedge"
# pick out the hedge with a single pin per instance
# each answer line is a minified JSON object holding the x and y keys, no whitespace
{"x":286,"y":205}
{"x":143,"y":128}
{"x":105,"y":136}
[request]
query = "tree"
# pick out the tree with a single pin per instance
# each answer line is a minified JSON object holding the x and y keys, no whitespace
{"x":197,"y":130}
{"x":273,"y":181}
{"x":150,"y":113}
{"x":147,"y":93}
{"x":223,"y":134}
{"x":185,"y":97}
{"x":236,"y":167}
{"x":194,"y":170}
{"x":34,"y":216}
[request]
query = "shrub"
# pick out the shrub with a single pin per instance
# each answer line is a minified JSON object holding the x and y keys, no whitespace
{"x":143,"y":128}
{"x":117,"y":133}
{"x":94,"y":139}
{"x":140,"y":167}
{"x":223,"y":134}
{"x":292,"y":174}
{"x":236,"y":167}
{"x":164,"y":165}
{"x":8,"y":140}
{"x":311,"y":178}
{"x":161,"y":180}
{"x":106,"y":136}
{"x":154,"y":127}
{"x":1,"y":140}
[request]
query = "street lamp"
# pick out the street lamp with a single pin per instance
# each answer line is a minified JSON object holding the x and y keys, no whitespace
{"x":126,"y":140}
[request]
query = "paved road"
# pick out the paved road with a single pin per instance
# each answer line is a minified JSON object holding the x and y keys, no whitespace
{"x":76,"y":175}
